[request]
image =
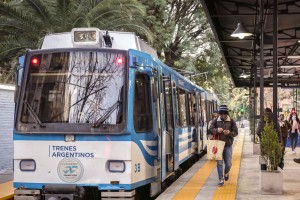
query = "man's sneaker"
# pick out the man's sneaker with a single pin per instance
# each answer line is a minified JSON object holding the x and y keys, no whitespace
{"x":281,"y":164}
{"x":297,"y":160}
{"x":226,"y":177}
{"x":221,"y":183}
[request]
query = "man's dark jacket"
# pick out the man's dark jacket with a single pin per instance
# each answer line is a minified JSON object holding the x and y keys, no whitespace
{"x":228,"y":124}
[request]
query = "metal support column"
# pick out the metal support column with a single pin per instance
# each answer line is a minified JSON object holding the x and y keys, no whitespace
{"x":262,"y":30}
{"x":254,"y":99}
{"x":275,"y":60}
{"x":296,"y":100}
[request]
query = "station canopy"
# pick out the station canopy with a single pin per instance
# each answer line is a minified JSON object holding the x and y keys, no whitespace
{"x":242,"y":55}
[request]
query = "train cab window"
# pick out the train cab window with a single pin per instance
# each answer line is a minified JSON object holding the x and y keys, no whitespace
{"x":182,"y":105}
{"x":142,"y":104}
{"x":75,"y":87}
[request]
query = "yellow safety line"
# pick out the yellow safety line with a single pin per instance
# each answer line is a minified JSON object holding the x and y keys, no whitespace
{"x":6,"y":191}
{"x":192,"y":187}
{"x":195,"y":184}
{"x":228,"y":191}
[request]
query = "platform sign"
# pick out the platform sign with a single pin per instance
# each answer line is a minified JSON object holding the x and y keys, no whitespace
{"x":290,"y":85}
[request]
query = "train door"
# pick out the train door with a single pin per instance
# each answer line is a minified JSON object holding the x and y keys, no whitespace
{"x":168,"y":124}
{"x":167,"y":127}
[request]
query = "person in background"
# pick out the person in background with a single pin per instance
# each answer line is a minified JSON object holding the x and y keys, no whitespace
{"x":225,"y":128}
{"x":285,"y":126}
{"x":271,"y":117}
{"x":294,"y":121}
{"x":214,"y":115}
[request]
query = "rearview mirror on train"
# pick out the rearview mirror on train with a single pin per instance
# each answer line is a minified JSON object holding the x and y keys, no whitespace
{"x":19,"y":74}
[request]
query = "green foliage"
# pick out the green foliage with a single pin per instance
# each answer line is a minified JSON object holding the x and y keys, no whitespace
{"x":178,"y":30}
{"x":184,"y":40}
{"x":24,"y":24}
{"x":271,"y":148}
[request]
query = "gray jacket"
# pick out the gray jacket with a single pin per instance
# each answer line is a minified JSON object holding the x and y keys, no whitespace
{"x":228,"y":124}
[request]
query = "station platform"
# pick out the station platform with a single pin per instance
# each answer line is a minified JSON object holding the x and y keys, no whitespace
{"x":6,"y":185}
{"x":200,"y":181}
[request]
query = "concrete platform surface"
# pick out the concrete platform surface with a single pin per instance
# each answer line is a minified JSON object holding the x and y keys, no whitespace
{"x":248,"y":187}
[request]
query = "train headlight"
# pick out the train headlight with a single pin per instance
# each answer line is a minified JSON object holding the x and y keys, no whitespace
{"x":116,"y":166}
{"x":86,"y":36}
{"x":27,"y":165}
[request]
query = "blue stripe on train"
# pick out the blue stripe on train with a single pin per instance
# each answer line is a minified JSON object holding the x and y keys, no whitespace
{"x":100,"y":186}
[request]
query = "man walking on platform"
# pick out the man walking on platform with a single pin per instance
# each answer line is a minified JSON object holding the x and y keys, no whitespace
{"x":224,"y":127}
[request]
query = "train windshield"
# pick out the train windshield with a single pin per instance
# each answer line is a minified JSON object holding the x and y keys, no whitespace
{"x":75,"y":87}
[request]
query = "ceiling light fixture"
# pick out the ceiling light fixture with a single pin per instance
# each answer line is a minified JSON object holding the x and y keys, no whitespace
{"x":241,"y":31}
{"x":285,"y":74}
{"x":289,"y":66}
{"x":243,"y":75}
{"x":295,"y":56}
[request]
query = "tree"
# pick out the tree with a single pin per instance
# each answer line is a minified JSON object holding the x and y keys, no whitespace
{"x":23,"y":25}
{"x":179,"y":26}
{"x":271,"y":149}
{"x":184,"y":40}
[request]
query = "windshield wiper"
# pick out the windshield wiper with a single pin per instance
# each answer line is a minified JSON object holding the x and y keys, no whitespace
{"x":34,"y":115}
{"x":104,"y":117}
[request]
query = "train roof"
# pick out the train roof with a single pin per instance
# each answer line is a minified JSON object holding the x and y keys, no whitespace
{"x":104,"y":38}
{"x":79,"y":37}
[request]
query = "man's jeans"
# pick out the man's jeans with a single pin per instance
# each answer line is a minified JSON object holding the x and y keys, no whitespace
{"x":227,"y":157}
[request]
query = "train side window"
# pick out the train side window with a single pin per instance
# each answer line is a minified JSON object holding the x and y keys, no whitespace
{"x":203,"y":105}
{"x":188,"y":111}
{"x":182,"y":107}
{"x":193,"y":109}
{"x":199,"y":110}
{"x":208,"y":110}
{"x":142,"y":104}
{"x":177,"y":115}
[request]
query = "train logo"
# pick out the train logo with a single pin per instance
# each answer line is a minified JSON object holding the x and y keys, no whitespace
{"x":70,"y":170}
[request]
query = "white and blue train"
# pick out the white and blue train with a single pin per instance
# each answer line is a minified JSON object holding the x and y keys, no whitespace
{"x":97,"y":109}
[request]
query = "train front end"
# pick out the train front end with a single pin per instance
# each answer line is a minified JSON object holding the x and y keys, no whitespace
{"x":71,"y":120}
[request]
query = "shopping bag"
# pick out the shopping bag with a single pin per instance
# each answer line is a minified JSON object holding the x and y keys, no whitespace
{"x":215,"y":149}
